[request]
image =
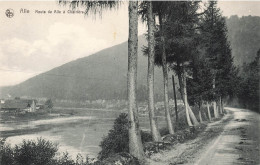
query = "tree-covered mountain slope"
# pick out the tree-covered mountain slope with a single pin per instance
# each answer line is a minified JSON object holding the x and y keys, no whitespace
{"x":102,"y":75}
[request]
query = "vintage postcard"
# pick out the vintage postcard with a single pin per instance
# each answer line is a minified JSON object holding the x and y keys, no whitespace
{"x":129,"y":82}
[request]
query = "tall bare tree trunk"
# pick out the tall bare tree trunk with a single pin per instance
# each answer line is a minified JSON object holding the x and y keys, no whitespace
{"x":215,"y":109}
{"x":208,"y":111}
{"x":219,"y":109}
{"x":135,"y":143}
{"x":193,"y":118}
{"x":200,"y":116}
{"x":150,"y":78}
{"x":214,"y":102}
{"x":201,"y":120}
{"x":175,"y":100}
{"x":165,"y":80}
{"x":186,"y":100}
{"x":220,"y":106}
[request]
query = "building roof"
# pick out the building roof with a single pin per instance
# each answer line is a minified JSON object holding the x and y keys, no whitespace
{"x":17,"y":104}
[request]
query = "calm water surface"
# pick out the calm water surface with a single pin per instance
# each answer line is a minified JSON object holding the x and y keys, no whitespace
{"x":74,"y":134}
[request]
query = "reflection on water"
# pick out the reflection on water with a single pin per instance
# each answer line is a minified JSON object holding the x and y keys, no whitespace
{"x":75,"y":134}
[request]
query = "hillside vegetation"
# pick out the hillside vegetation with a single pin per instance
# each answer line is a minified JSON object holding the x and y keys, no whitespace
{"x":103,"y":75}
{"x":244,"y":37}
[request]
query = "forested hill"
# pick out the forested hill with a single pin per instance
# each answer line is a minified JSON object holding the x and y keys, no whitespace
{"x":102,"y":75}
{"x":244,"y":36}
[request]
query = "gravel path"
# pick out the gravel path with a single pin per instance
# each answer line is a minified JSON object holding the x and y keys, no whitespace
{"x":230,"y":141}
{"x":237,"y":144}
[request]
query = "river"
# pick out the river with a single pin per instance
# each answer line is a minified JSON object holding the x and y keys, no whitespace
{"x":79,"y":133}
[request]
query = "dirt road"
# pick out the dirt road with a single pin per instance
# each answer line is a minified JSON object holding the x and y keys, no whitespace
{"x":232,"y":140}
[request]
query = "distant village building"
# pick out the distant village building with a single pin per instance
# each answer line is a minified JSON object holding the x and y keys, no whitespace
{"x":2,"y":101}
{"x":19,"y":105}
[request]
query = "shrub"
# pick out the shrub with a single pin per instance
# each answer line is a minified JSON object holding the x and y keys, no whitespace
{"x":121,"y":159}
{"x":146,"y":136}
{"x":40,"y":152}
{"x":117,"y":139}
{"x":164,"y":131}
{"x":65,"y":160}
{"x":6,"y":155}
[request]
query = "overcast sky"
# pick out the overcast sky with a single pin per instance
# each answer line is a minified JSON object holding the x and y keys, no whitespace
{"x":32,"y":43}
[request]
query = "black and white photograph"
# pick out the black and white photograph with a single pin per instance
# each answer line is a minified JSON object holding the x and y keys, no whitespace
{"x":129,"y":82}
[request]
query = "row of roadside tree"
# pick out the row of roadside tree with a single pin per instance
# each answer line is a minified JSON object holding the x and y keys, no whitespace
{"x":189,"y":38}
{"x":186,"y":37}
